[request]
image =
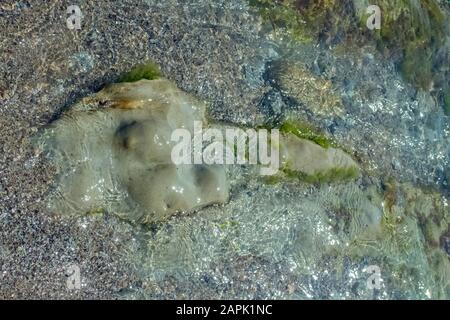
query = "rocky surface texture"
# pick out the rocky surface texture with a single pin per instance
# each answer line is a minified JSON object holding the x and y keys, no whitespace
{"x":45,"y":67}
{"x":113,"y":152}
{"x":288,"y":239}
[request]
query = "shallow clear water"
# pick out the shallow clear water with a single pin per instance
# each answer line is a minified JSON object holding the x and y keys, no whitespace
{"x":293,"y":239}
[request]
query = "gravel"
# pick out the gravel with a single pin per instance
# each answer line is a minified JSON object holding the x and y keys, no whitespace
{"x":210,"y":50}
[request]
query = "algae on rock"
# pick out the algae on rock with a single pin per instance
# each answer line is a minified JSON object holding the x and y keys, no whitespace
{"x":416,"y":34}
{"x":313,"y":163}
{"x":149,"y":71}
{"x":283,"y":18}
{"x":401,"y":227}
{"x":113,"y":151}
{"x":305,"y":131}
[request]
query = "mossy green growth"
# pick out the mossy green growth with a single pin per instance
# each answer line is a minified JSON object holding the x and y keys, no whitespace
{"x":419,"y":29}
{"x":416,"y":66}
{"x":283,"y":15}
{"x":96,"y":212}
{"x":305,"y":131}
{"x":228,"y":224}
{"x":333,"y":175}
{"x":447,"y":103}
{"x":148,"y":70}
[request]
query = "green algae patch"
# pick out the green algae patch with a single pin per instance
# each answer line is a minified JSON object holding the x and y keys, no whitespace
{"x":148,"y":71}
{"x":447,"y":103}
{"x":228,"y":224}
{"x":305,"y":131}
{"x":96,"y":212}
{"x":283,"y":16}
{"x":306,"y":160}
{"x":418,"y":30}
{"x":415,"y":33}
{"x":416,"y":66}
{"x":309,"y":156}
{"x":304,"y":21}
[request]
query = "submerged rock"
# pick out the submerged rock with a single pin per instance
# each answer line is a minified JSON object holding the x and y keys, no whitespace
{"x":314,"y":162}
{"x":113,"y":151}
{"x":314,"y":92}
